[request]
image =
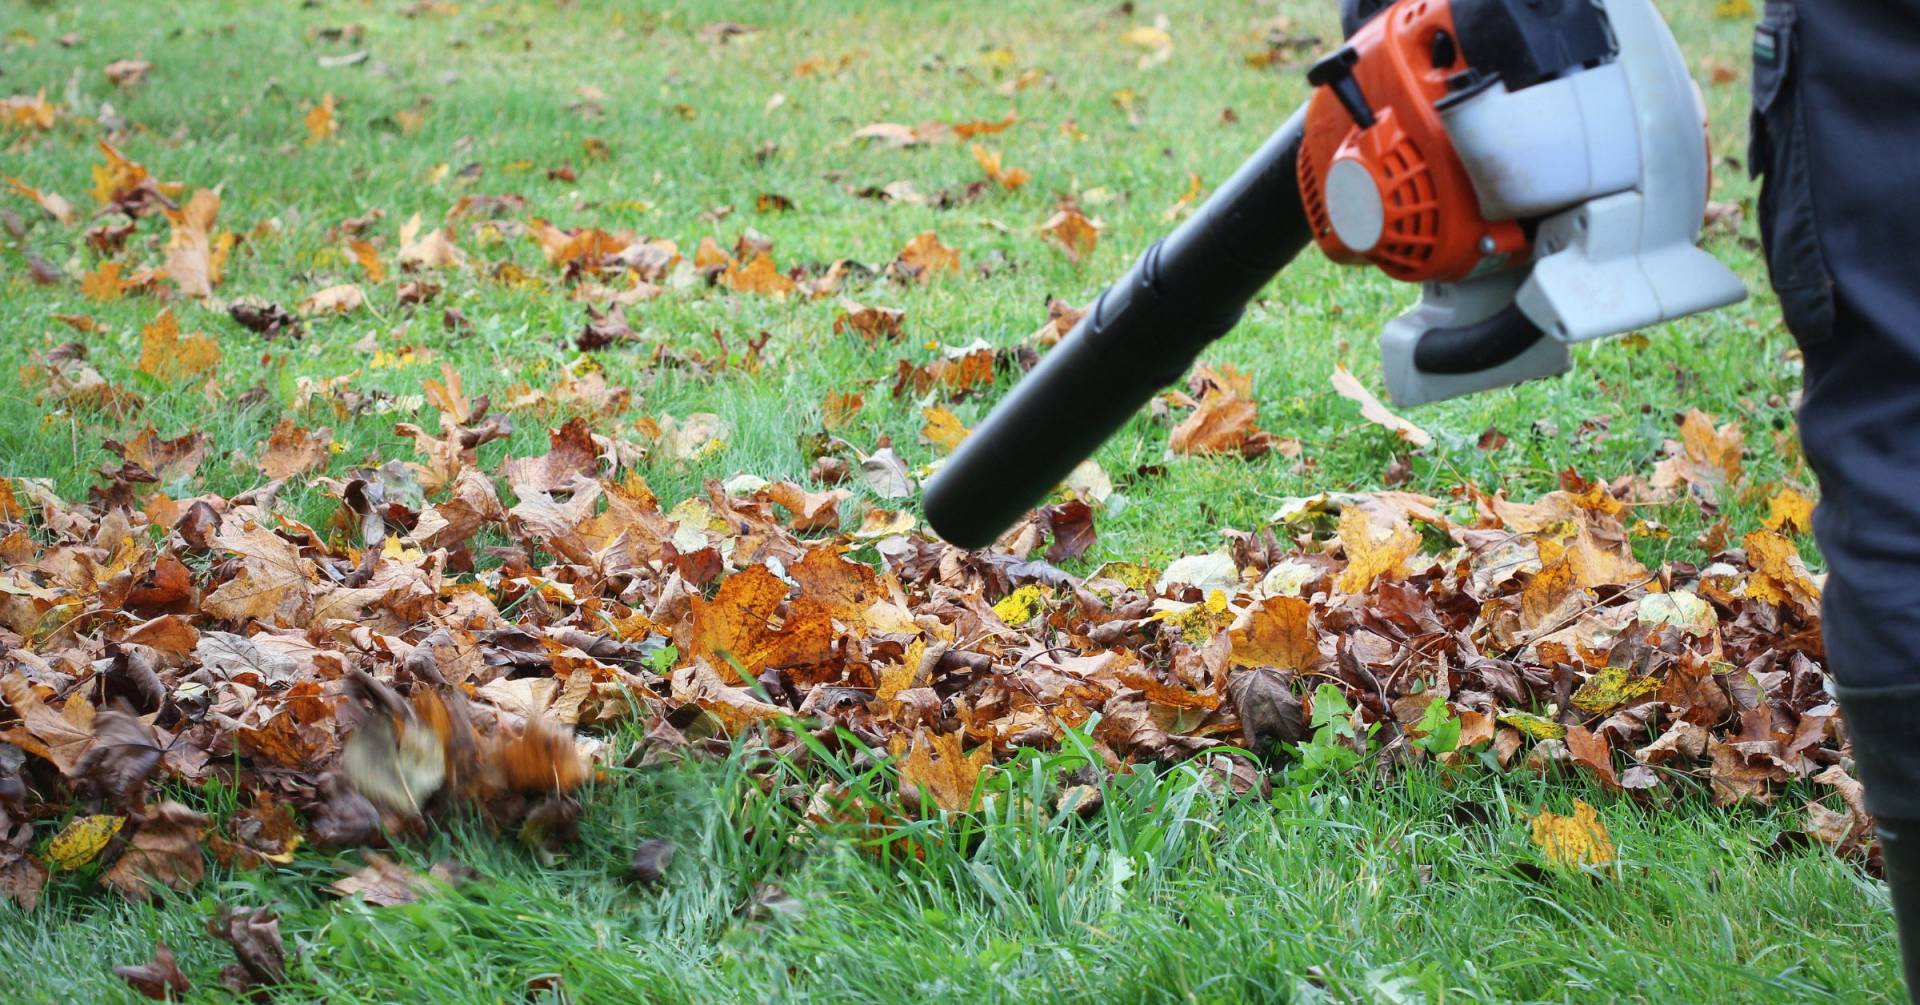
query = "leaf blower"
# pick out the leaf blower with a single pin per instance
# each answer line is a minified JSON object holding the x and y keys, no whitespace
{"x":1540,"y":167}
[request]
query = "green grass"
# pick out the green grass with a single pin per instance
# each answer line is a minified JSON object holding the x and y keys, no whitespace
{"x":1169,"y":892}
{"x":1347,"y":891}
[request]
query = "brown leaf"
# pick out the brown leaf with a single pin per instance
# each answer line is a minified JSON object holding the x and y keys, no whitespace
{"x":382,"y":882}
{"x":811,"y":511}
{"x":291,"y":450}
{"x":1591,"y":751}
{"x":254,"y":935}
{"x":1270,"y":713}
{"x":190,"y":247}
{"x":759,"y":276}
{"x":165,"y":851}
{"x":127,"y":74}
{"x":342,"y":299}
{"x":160,"y":980}
{"x":43,"y":732}
{"x":874,"y":324}
{"x":432,"y":250}
{"x":1223,"y":421}
{"x":571,"y":454}
{"x":742,"y":622}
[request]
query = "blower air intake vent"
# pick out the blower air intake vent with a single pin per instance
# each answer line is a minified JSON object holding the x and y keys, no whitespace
{"x":1412,"y":225}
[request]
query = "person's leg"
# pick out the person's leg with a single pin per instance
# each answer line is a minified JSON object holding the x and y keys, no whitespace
{"x":1837,"y":135}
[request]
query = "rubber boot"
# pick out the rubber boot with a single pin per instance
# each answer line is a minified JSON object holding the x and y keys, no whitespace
{"x":1900,"y":850}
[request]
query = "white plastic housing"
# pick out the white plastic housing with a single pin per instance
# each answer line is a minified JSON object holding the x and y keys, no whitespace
{"x":1628,"y":260}
{"x":1548,"y":146}
{"x":1447,"y":305}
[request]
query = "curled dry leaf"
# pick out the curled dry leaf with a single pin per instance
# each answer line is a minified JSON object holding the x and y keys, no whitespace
{"x":1005,"y":177}
{"x":1349,"y":387}
{"x":1073,"y":232}
{"x":925,"y":257}
{"x":55,"y":206}
{"x":344,"y":298}
{"x":874,"y":324}
{"x":160,"y":979}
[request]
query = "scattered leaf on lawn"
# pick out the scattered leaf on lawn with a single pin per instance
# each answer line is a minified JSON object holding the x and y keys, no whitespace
{"x":1348,"y":386}
{"x":1575,"y":840}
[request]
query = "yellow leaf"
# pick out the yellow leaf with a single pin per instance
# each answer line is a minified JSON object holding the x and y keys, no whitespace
{"x":1779,"y":576}
{"x":369,"y":260}
{"x":1579,"y":839}
{"x":1006,"y":177}
{"x":1021,"y":606}
{"x":1372,"y":551}
{"x":103,"y":285}
{"x":942,"y":428}
{"x":319,"y":120}
{"x":1789,"y":509}
{"x":1733,"y":10}
{"x":82,"y":839}
{"x":1277,"y":632}
{"x":1611,"y":688}
{"x":1538,"y":727}
{"x":165,"y":354}
{"x":949,"y":779}
{"x":1148,"y":37}
{"x":759,"y":276}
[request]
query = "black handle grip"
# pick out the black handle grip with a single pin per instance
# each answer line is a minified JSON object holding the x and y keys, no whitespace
{"x":1482,"y":345}
{"x":1140,"y":335}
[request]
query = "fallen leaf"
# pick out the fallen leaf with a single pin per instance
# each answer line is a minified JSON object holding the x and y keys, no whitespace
{"x":1350,"y":388}
{"x":160,"y":980}
{"x":1073,"y":232}
{"x":1572,"y":841}
{"x":925,"y":256}
{"x":934,"y":766}
{"x":319,"y":120}
{"x":167,"y":355}
{"x":989,"y":161}
{"x":342,"y":299}
{"x":291,"y":450}
{"x":190,"y":247}
{"x":1789,"y":511}
{"x":82,"y":840}
{"x":165,"y":852}
{"x":60,"y":209}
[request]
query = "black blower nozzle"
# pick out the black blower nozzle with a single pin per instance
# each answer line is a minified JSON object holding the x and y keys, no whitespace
{"x":1140,"y":335}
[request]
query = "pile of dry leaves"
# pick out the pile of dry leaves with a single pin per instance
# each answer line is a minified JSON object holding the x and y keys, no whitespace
{"x":351,"y":678}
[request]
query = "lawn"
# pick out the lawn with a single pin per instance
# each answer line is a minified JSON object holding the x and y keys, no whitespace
{"x":737,"y":123}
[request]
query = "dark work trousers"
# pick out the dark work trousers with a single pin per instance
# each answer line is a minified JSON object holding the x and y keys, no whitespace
{"x":1836,"y":136}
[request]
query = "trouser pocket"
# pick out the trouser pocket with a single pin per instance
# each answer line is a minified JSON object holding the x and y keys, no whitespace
{"x":1779,"y":156}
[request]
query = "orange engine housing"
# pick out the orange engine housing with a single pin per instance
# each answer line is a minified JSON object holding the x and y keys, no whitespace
{"x":1431,"y":227}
